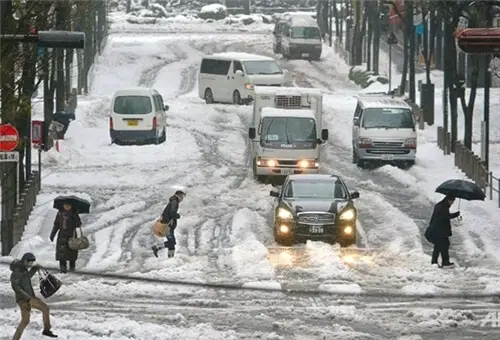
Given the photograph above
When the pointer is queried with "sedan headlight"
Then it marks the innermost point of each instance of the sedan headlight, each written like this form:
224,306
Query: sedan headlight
348,230
284,214
348,215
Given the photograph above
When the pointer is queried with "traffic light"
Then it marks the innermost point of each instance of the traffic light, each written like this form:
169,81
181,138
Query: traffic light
479,40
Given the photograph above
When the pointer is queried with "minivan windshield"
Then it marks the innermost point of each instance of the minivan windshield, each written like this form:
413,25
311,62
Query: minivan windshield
262,67
133,105
306,33
388,118
288,129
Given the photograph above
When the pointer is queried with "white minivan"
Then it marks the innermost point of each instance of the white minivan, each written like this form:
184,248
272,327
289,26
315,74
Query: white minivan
138,115
383,131
231,77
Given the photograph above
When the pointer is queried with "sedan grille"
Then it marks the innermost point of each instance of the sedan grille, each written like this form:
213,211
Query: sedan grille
315,218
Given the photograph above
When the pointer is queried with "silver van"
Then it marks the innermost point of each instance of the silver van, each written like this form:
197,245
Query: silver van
383,131
301,39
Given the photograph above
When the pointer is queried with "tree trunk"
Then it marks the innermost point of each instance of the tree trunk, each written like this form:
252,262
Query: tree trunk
369,38
406,42
425,42
357,41
411,55
338,21
376,35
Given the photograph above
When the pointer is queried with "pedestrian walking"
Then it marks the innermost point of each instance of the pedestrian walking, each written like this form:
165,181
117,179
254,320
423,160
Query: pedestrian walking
20,279
439,231
66,224
170,216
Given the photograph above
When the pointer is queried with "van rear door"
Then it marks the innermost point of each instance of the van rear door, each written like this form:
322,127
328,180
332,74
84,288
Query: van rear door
133,112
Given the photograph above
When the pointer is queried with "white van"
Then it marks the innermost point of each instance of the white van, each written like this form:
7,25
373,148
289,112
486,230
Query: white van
138,115
383,131
231,77
301,38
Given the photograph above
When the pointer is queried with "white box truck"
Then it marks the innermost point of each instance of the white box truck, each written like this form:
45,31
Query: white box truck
286,131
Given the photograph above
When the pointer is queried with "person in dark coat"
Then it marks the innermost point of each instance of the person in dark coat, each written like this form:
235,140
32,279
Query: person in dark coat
439,230
20,280
170,216
65,225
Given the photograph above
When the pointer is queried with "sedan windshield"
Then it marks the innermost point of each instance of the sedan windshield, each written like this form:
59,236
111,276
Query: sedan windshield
133,105
306,33
262,67
283,129
388,118
315,189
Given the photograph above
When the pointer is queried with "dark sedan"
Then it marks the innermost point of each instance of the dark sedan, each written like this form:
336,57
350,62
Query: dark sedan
315,207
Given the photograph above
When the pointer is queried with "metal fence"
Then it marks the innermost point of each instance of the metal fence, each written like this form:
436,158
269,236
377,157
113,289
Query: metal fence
493,187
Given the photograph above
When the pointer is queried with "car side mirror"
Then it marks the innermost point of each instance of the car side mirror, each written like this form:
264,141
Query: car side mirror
166,108
355,194
274,32
324,134
252,133
355,121
274,194
239,72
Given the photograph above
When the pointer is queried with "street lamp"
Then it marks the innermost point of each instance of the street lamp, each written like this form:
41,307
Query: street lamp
391,40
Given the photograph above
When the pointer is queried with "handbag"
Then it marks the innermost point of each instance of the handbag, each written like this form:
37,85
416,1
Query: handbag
78,243
161,229
49,284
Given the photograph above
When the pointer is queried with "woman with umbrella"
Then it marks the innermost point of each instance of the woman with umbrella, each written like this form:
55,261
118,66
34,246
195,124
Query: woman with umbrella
66,224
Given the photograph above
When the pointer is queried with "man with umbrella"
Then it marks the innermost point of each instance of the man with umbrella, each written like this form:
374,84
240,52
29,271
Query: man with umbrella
66,224
439,229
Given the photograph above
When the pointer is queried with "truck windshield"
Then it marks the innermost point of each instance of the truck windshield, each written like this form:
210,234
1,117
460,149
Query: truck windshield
306,33
288,130
262,67
388,118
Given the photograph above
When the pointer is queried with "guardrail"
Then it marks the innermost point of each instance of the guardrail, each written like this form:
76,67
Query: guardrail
493,187
471,164
444,140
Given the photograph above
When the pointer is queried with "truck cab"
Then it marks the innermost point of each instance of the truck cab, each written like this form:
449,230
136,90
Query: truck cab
286,133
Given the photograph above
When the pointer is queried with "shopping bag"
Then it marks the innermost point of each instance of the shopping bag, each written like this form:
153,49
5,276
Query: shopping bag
160,229
49,284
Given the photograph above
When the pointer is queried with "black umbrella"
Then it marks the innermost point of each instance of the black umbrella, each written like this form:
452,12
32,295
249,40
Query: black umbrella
78,204
461,189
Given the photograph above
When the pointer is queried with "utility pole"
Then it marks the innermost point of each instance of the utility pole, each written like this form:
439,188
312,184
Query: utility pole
411,55
487,85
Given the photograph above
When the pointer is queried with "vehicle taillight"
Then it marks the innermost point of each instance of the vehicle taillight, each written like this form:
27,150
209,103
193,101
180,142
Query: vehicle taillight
365,143
155,123
411,143
110,123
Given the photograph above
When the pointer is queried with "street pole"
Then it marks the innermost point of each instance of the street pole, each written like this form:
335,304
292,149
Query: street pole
390,68
487,85
446,43
330,17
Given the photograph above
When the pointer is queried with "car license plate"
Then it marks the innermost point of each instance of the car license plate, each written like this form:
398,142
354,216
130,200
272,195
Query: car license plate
305,55
316,229
132,122
387,157
287,171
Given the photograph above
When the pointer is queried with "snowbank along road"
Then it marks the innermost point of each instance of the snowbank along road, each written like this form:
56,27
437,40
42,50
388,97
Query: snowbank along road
224,233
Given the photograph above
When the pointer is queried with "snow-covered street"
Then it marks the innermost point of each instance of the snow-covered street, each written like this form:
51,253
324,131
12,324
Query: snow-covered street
225,232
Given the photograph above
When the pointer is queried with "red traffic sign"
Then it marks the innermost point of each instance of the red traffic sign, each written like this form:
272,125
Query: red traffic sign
479,40
9,138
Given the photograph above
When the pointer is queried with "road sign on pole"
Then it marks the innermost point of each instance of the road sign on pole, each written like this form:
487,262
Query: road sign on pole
9,138
8,157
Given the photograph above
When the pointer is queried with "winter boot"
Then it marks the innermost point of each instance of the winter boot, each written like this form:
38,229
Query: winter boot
155,250
48,332
63,267
72,266
448,265
171,252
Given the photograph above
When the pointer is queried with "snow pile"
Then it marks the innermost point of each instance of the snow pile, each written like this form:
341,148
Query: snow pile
213,11
426,318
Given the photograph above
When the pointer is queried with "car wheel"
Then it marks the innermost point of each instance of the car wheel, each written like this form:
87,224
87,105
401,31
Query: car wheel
209,96
287,242
163,137
236,97
360,163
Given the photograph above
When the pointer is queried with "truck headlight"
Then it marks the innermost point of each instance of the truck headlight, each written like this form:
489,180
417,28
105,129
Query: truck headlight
267,162
348,215
249,86
284,214
308,163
